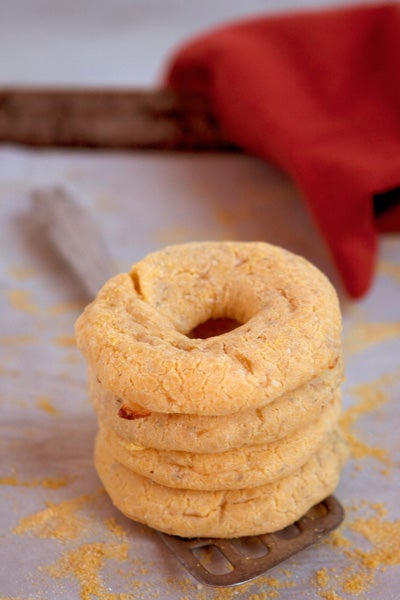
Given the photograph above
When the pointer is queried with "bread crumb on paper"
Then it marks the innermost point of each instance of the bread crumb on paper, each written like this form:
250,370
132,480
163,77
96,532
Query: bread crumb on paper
60,521
22,300
114,527
65,341
49,482
362,335
371,397
85,564
20,273
45,404
380,550
62,308
16,340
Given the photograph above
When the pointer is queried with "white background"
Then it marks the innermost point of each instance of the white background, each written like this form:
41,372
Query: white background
119,42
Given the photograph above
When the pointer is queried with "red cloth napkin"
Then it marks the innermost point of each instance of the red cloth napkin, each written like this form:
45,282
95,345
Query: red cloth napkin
318,94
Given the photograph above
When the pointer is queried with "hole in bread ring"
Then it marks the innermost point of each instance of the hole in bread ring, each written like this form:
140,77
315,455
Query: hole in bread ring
136,332
213,327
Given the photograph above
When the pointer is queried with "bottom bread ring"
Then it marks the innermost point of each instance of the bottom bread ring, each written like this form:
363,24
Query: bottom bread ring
226,513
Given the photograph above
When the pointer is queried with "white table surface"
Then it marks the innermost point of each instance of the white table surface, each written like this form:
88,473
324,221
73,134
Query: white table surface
51,507
52,510
118,42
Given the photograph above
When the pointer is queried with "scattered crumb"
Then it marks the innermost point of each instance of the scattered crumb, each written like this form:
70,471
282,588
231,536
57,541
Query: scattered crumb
362,335
49,483
60,521
21,273
85,564
322,577
371,397
358,575
115,527
72,358
45,404
386,472
329,595
384,537
22,300
65,341
66,307
337,539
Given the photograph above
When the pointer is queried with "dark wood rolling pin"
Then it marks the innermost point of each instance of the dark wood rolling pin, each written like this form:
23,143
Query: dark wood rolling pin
108,118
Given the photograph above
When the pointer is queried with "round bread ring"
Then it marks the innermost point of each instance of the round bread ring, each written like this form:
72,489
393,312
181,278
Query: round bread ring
135,333
192,433
224,514
249,466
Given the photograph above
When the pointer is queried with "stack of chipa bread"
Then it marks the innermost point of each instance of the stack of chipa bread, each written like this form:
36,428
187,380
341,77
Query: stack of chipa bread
220,432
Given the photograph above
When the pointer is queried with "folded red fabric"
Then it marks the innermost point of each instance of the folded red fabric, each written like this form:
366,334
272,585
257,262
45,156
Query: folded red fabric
318,94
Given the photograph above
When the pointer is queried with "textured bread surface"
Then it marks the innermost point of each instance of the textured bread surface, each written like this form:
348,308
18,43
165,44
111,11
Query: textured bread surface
233,469
198,433
136,333
227,513
215,370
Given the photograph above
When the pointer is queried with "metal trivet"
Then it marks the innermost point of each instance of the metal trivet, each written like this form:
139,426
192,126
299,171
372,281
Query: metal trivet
220,562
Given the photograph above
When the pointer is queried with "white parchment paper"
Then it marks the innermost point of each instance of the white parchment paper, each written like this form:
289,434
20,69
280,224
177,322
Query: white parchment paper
60,537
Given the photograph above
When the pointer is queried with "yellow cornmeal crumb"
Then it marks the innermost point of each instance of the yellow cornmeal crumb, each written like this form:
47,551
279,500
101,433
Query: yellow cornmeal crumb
115,527
65,340
361,449
21,300
65,307
386,472
46,405
329,595
337,539
58,521
275,583
71,358
384,537
361,336
20,273
371,398
85,563
53,484
379,508
286,572
49,482
322,577
357,582
264,595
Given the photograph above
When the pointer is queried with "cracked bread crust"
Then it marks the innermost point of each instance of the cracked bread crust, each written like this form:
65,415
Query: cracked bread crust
234,469
136,332
225,514
193,433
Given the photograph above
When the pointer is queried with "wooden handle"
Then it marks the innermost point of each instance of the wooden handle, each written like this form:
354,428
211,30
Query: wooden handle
107,118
